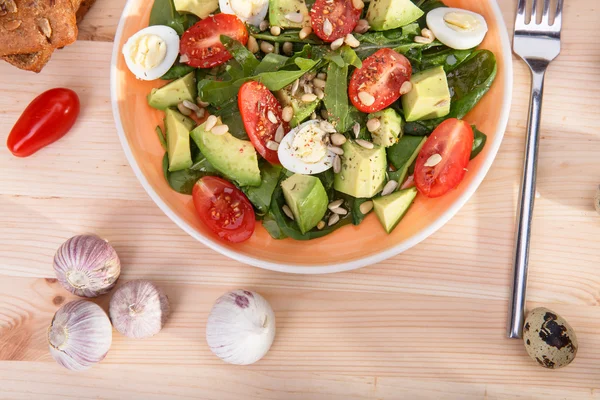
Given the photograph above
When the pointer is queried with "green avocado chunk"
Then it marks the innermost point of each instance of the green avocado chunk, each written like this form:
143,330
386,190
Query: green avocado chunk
279,10
174,93
363,171
429,97
234,158
178,129
392,208
307,198
200,8
384,15
302,110
391,129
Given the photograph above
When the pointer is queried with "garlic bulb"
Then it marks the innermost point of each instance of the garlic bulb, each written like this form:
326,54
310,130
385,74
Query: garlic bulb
87,266
79,335
240,327
139,309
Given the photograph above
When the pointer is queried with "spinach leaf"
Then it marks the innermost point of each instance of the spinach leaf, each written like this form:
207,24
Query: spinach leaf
404,152
288,227
161,137
288,36
344,56
448,58
244,57
230,116
478,143
271,63
270,224
181,181
353,205
336,96
261,196
426,6
177,71
164,13
468,83
278,80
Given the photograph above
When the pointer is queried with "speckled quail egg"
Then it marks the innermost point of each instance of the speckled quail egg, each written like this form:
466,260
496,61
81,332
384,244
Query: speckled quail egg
549,339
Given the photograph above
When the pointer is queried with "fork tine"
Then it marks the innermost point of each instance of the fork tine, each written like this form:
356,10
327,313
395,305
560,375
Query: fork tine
521,11
534,12
546,14
558,17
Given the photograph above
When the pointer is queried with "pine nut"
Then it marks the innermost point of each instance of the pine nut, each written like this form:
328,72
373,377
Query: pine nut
423,40
320,93
320,83
275,31
366,207
219,130
337,165
295,87
252,45
304,32
389,188
327,27
321,225
272,145
338,139
307,88
327,127
362,26
358,4
200,113
280,133
191,105
184,110
309,97
428,34
288,48
287,113
433,160
184,58
336,150
406,88
272,117
365,144
351,41
267,47
210,123
264,25
366,98
336,44
373,124
322,76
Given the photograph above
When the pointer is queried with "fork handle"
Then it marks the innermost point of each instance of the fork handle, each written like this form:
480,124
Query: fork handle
526,204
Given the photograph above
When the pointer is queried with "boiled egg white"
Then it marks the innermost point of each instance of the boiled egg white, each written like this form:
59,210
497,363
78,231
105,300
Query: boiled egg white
151,52
457,28
250,11
304,150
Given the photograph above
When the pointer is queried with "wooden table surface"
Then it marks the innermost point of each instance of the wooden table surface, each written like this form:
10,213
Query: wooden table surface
429,323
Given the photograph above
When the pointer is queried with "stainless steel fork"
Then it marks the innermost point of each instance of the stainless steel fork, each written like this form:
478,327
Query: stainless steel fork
537,43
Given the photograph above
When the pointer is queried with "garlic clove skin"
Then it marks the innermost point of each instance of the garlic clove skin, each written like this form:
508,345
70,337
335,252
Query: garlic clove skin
139,309
87,266
241,327
79,335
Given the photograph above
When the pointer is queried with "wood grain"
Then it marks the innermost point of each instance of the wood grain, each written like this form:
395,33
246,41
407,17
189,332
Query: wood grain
427,324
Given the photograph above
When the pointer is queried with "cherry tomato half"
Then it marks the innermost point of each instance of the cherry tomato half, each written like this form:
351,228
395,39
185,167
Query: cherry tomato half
453,141
340,13
255,102
45,120
202,42
224,209
381,76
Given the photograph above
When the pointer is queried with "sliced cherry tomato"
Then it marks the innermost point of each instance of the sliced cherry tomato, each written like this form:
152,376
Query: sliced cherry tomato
381,76
45,120
255,102
224,209
202,42
341,14
453,141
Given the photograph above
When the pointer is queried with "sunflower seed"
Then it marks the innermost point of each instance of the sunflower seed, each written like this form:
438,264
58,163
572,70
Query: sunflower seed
210,123
351,41
358,4
337,43
264,25
389,188
335,150
366,207
373,124
252,45
287,114
271,145
338,139
280,133
288,48
191,105
340,211
295,17
320,93
184,110
356,129
12,24
307,88
364,143
44,26
406,87
219,129
433,160
366,98
327,27
337,165
428,34
309,98
321,225
334,219
423,40
275,31
272,117
319,83
362,26
201,103
335,204
184,59
288,212
304,32
267,47
327,126
295,87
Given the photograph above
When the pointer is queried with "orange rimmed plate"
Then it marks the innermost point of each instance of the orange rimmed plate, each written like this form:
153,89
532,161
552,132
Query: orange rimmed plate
355,246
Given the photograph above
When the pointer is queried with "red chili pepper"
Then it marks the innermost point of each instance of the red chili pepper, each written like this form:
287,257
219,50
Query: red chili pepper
45,120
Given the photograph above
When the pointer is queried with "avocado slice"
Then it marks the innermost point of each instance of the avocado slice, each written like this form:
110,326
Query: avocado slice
234,158
178,129
307,198
392,208
174,93
391,129
302,110
389,14
429,97
200,8
278,9
363,171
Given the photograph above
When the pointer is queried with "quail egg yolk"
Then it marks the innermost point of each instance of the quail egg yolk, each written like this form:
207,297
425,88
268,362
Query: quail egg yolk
148,51
461,21
309,145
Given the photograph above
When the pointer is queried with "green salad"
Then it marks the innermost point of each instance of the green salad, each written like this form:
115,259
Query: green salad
308,115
